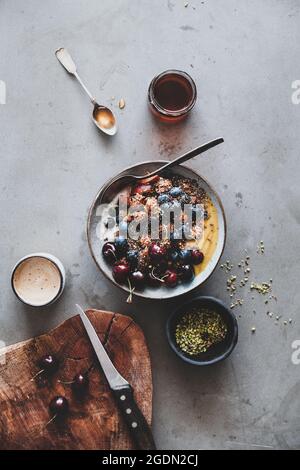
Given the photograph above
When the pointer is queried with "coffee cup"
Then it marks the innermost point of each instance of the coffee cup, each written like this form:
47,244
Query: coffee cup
38,279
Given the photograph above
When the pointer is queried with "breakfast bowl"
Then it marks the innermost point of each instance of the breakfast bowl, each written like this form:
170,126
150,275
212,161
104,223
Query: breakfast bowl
213,242
188,341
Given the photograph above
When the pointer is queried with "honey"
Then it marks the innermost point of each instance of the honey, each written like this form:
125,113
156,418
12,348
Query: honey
172,95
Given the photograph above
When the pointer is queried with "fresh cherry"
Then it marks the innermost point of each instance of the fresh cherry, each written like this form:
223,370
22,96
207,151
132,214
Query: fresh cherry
80,383
137,279
157,253
48,365
109,252
120,272
197,256
171,278
186,273
59,407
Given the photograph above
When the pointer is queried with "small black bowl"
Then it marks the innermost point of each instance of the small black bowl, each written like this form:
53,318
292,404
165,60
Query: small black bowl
216,353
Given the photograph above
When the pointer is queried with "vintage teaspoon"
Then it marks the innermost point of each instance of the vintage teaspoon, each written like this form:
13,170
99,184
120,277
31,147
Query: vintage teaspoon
103,117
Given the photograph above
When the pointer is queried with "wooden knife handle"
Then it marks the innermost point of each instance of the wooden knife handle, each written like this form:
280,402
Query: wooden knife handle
136,422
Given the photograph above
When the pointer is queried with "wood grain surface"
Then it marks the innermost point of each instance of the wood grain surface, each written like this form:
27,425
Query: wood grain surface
93,422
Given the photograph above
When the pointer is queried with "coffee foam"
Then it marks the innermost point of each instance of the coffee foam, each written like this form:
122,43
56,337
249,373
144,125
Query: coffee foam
37,281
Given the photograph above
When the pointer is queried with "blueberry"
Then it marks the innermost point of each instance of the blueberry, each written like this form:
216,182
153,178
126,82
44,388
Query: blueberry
185,199
175,191
185,256
163,198
132,258
121,245
173,256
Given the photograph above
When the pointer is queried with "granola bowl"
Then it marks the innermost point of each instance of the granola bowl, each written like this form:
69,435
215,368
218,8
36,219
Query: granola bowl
154,268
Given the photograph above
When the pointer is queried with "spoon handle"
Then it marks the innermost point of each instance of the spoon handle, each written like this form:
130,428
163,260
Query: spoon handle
188,155
64,57
93,100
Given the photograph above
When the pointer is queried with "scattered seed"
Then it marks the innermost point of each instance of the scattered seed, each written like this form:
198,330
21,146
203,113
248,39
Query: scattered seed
122,103
263,288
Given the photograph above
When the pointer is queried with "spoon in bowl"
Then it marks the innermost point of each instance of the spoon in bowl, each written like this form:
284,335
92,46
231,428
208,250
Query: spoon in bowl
102,117
127,179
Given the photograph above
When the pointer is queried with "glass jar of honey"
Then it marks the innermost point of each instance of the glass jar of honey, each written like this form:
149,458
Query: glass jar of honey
172,94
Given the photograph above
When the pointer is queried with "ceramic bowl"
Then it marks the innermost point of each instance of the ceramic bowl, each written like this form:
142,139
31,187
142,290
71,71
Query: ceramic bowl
216,353
96,242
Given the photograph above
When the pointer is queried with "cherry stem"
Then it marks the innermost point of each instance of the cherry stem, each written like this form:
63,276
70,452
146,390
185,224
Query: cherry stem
113,253
50,421
131,290
37,374
160,279
65,383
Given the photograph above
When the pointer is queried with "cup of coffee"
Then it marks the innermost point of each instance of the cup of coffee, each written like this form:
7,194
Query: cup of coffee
38,279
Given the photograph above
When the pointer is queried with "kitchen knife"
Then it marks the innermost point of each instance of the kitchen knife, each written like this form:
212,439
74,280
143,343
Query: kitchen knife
121,389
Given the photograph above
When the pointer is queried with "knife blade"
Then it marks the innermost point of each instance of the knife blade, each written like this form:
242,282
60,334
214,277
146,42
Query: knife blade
123,392
113,377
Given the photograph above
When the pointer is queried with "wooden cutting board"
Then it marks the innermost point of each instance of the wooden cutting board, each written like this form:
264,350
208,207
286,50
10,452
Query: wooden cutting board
93,422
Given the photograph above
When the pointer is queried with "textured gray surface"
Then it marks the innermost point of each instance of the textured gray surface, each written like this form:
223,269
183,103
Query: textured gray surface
243,57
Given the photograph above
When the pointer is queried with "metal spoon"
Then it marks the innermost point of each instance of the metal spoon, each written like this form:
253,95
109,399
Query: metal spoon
103,117
130,179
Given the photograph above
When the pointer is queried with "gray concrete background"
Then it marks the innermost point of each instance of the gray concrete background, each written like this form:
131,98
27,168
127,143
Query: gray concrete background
243,56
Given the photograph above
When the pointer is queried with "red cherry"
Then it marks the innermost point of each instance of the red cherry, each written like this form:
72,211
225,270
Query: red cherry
80,383
109,252
171,278
157,253
186,273
197,256
137,279
59,407
121,272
